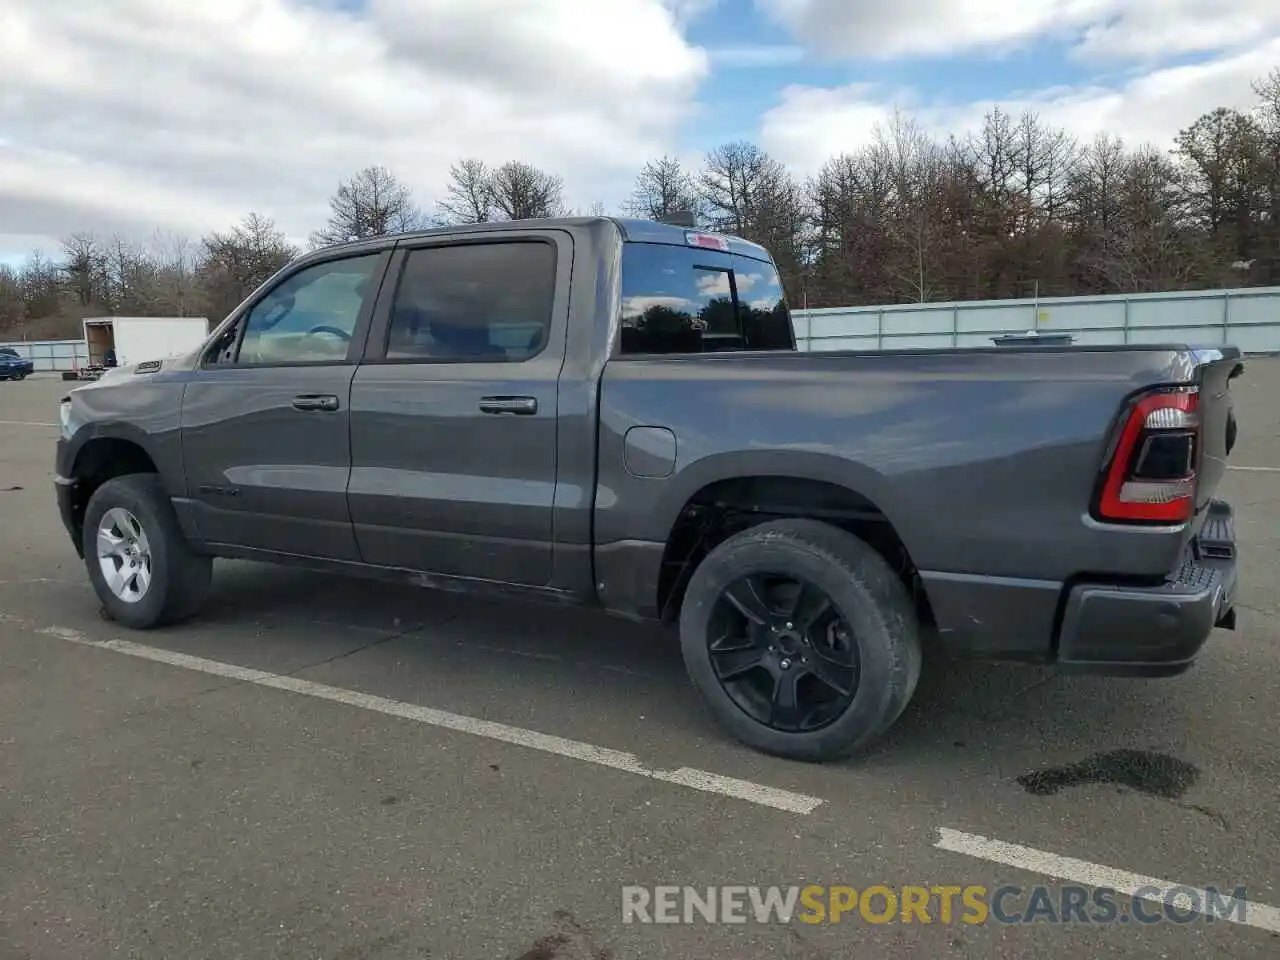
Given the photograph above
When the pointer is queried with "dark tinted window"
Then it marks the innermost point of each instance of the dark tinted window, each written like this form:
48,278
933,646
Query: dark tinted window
766,321
475,301
689,300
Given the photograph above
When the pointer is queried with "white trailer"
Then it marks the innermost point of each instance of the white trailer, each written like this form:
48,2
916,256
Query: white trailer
137,339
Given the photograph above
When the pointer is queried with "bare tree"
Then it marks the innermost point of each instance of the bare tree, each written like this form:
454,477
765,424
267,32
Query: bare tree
520,191
175,258
1266,266
130,278
1094,212
371,203
662,189
13,306
916,167
1152,250
233,264
1219,154
737,184
84,265
40,280
851,199
469,193
1045,160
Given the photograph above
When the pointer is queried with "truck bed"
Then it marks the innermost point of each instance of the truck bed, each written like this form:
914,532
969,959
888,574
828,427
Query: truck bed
983,461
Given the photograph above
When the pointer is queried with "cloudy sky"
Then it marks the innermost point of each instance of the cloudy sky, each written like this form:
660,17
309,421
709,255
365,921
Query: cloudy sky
133,115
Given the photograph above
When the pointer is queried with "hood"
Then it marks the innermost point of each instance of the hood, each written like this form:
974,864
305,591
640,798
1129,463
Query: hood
181,361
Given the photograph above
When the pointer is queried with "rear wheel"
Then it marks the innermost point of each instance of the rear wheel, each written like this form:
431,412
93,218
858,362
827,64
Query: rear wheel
801,638
142,568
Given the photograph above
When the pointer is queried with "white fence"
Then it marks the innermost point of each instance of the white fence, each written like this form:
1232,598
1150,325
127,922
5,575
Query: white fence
52,354
1247,318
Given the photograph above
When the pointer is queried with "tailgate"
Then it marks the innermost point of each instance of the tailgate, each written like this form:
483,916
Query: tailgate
1216,368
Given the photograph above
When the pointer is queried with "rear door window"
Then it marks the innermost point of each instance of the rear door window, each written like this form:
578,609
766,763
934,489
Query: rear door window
692,300
487,301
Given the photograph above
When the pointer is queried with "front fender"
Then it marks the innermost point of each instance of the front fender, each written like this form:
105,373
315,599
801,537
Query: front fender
143,412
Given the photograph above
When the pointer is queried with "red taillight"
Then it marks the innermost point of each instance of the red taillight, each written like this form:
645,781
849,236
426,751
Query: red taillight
1152,473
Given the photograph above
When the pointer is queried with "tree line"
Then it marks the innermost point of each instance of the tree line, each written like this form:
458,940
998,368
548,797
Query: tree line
1015,208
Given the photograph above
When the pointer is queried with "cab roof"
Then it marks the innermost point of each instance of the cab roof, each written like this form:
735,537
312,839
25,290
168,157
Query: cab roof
633,230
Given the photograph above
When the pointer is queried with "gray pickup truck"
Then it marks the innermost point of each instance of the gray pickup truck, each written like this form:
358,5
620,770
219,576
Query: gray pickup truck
614,412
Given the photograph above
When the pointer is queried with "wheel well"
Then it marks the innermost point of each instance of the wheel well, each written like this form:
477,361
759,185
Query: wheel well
99,461
722,509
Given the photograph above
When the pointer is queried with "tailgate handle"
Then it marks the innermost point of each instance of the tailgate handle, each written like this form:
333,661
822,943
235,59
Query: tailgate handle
521,406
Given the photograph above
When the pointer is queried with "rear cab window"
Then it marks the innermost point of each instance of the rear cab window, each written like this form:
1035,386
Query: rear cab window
684,299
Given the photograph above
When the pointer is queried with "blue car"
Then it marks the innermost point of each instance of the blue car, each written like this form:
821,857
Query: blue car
14,366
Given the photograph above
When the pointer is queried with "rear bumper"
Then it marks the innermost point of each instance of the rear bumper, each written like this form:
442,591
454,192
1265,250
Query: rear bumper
1155,630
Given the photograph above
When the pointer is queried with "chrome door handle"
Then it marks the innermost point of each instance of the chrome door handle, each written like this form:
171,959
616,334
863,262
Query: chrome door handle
314,401
521,406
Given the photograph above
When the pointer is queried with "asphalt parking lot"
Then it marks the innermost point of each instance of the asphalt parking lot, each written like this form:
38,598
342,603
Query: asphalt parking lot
323,768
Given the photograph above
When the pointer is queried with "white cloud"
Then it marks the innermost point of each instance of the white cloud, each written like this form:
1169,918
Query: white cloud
891,28
213,109
811,124
1148,28
714,285
1155,30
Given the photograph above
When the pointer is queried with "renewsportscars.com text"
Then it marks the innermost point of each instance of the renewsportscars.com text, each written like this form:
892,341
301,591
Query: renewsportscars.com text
969,904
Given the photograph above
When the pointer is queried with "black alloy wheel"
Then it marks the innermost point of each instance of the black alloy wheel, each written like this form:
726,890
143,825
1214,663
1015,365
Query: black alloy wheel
802,639
783,653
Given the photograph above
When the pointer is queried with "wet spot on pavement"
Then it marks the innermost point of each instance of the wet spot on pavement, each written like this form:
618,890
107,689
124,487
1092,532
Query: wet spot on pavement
1155,774
546,948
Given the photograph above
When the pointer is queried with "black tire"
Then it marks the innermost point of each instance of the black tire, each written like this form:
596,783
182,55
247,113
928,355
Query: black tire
863,590
180,576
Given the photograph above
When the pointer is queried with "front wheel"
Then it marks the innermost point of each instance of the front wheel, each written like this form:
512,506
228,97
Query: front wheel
801,638
142,568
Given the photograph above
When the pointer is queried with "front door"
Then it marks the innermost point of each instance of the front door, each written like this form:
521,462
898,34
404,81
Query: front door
453,411
266,419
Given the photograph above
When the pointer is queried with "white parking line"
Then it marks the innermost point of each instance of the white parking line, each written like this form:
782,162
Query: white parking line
27,423
1256,469
1095,875
694,779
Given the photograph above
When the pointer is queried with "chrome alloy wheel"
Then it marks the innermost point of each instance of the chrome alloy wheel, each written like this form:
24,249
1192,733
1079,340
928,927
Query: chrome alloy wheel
124,554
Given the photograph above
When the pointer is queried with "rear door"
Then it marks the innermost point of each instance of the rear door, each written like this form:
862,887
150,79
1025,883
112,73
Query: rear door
454,410
266,417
